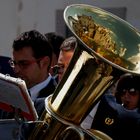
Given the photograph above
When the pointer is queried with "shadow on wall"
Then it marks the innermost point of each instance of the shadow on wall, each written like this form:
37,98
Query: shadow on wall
5,66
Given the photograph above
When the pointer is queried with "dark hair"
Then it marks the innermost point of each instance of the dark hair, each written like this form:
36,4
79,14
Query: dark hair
37,41
69,43
56,41
127,81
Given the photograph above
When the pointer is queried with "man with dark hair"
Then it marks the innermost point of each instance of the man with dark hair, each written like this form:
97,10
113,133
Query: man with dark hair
67,49
55,40
31,62
32,55
118,113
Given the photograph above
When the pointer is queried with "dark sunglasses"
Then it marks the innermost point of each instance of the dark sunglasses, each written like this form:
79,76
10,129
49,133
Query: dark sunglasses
131,91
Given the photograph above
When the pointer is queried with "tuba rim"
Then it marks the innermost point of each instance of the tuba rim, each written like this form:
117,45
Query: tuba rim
74,9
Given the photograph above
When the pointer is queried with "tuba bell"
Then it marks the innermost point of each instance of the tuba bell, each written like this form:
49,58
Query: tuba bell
108,47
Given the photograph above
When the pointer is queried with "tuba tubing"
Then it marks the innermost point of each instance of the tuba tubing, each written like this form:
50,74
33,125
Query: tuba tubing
76,95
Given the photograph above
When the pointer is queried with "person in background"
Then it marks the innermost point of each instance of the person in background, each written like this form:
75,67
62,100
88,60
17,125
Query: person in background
32,55
5,67
118,115
55,40
67,49
31,61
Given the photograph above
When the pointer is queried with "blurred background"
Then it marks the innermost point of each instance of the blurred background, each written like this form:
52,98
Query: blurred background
47,16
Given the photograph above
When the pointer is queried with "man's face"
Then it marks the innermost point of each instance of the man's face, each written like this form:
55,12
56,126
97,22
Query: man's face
63,62
130,98
27,67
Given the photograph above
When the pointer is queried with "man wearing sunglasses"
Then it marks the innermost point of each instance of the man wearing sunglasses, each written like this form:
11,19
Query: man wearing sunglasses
55,40
118,113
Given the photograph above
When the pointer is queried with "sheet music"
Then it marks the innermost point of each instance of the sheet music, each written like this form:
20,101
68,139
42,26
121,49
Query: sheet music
14,94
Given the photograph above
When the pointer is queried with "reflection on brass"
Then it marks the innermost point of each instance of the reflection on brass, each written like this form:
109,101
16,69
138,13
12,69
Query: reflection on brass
92,34
99,39
101,135
80,89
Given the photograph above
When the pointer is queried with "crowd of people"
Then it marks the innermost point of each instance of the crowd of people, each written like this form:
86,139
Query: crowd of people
41,61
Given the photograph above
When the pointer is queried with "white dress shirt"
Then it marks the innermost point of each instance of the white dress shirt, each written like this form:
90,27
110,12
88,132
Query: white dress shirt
87,122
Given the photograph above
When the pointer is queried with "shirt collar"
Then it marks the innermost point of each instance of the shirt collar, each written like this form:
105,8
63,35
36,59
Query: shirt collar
34,91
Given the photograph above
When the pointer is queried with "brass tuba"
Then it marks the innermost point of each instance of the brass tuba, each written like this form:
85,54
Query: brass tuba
109,47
